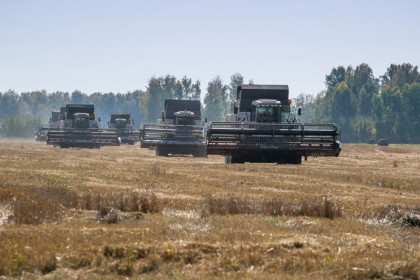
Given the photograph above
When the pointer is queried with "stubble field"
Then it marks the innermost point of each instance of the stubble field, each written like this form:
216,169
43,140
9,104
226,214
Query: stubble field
122,212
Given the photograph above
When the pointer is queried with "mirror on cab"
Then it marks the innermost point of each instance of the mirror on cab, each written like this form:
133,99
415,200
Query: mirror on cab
299,111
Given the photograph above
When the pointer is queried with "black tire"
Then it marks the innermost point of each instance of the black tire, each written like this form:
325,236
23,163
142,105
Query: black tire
200,153
281,161
161,151
235,159
239,160
294,160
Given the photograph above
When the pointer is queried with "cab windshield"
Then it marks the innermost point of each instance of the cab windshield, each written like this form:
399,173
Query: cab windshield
81,121
185,121
120,123
268,114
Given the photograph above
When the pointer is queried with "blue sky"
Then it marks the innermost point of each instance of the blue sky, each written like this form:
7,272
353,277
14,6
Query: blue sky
104,46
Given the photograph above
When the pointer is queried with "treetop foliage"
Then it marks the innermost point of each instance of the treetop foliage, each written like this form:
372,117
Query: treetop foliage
366,107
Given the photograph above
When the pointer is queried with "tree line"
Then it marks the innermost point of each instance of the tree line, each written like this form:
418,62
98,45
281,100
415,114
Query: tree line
363,106
21,114
366,107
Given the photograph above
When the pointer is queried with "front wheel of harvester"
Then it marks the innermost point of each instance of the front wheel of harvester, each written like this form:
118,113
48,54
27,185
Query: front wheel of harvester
200,153
161,151
238,159
294,160
143,145
281,160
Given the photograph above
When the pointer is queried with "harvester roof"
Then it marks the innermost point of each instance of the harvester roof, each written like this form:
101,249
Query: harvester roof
115,116
174,105
71,109
187,114
266,102
248,93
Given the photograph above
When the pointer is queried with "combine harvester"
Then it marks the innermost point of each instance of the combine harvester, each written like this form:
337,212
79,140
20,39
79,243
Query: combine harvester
80,129
122,122
42,133
263,129
179,132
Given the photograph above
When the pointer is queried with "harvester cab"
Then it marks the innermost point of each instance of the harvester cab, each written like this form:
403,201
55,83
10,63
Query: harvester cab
81,120
186,118
272,111
120,123
267,111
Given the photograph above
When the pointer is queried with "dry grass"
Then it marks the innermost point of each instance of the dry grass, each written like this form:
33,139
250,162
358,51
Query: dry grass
324,208
122,212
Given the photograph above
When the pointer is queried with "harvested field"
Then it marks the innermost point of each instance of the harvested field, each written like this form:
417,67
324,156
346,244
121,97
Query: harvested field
121,212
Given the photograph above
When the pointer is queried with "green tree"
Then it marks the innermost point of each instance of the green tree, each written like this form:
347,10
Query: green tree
399,75
336,76
19,126
196,91
8,104
235,80
307,103
213,101
77,97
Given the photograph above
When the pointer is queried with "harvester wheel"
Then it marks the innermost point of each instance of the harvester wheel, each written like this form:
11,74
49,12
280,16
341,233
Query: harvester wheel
231,159
237,159
281,161
161,151
294,160
200,153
